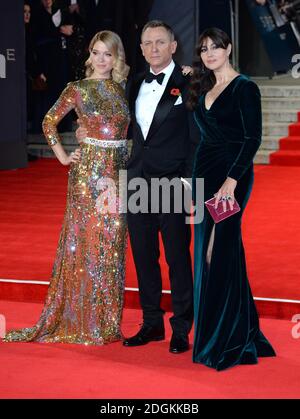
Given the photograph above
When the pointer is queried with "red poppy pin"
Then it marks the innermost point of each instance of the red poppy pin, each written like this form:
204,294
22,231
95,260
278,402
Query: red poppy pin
175,92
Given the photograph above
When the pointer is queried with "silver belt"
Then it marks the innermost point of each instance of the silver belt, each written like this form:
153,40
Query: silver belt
105,143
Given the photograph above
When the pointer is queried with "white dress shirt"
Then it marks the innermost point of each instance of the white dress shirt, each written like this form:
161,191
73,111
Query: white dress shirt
148,98
56,18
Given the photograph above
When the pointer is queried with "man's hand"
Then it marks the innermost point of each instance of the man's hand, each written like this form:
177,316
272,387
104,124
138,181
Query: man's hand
66,30
187,70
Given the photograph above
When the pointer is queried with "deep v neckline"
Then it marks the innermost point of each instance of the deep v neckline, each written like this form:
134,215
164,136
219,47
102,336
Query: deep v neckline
220,94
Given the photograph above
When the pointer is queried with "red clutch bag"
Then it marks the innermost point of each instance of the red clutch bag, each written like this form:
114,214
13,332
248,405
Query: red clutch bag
218,214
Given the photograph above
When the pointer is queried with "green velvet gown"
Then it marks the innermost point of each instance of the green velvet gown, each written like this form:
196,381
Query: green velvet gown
226,322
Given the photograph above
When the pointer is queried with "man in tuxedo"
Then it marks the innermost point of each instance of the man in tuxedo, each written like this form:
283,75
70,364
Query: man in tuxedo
163,135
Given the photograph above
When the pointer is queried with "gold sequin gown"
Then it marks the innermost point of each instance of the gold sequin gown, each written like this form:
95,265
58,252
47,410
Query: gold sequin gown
85,297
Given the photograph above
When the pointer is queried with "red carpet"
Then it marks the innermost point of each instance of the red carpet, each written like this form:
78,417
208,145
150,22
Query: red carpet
31,212
32,370
289,150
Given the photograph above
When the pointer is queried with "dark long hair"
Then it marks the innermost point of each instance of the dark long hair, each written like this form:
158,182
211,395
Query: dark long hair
204,79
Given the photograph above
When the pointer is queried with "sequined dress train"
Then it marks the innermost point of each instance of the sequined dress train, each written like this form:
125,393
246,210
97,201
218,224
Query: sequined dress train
85,297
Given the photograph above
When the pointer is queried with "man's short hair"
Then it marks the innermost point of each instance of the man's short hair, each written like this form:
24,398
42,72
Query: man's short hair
159,24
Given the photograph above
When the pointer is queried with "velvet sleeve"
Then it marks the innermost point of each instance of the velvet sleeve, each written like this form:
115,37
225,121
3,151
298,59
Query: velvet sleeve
250,112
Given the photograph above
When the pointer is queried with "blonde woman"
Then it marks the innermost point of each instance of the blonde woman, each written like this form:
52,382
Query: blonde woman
85,298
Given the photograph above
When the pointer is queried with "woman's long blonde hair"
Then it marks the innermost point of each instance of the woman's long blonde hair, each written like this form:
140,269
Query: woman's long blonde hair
115,46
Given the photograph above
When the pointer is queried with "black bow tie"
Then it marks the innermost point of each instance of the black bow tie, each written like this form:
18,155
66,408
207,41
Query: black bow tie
158,77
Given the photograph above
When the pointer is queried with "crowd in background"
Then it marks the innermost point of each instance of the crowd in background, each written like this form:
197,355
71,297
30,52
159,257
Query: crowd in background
58,33
284,11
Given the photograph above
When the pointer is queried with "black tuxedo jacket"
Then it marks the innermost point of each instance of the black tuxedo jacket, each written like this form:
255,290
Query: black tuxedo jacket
173,136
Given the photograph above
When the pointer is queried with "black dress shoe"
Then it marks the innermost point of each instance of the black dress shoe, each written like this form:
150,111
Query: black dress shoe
145,335
179,344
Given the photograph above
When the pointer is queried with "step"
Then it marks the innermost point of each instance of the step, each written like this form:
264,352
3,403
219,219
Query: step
285,158
272,129
280,91
262,156
43,150
66,138
290,143
284,115
270,143
275,103
294,129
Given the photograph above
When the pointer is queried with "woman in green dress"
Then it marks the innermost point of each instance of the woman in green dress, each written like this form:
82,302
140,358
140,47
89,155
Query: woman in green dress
227,109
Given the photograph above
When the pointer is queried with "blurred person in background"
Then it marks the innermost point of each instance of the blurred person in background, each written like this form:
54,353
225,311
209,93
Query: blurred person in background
51,31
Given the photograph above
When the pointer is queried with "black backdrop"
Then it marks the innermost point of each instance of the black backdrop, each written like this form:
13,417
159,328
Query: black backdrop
182,16
12,86
215,13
